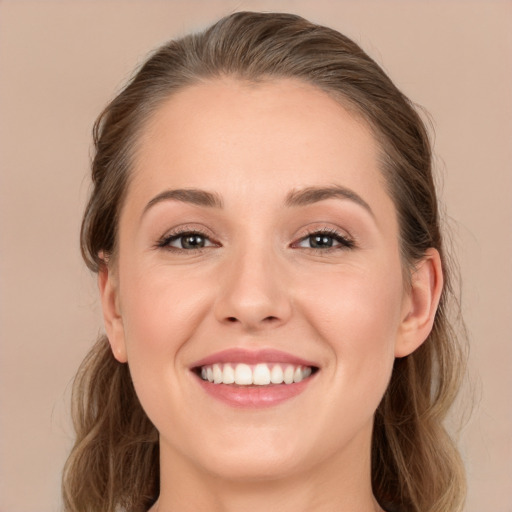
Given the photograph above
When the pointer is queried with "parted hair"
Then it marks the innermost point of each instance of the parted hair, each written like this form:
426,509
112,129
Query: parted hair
114,463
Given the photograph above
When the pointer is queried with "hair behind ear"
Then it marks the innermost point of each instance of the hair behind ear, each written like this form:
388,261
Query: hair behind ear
115,457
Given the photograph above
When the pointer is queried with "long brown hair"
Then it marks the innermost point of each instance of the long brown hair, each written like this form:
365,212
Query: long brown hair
415,465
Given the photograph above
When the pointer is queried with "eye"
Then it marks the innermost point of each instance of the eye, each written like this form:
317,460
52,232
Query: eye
325,240
188,241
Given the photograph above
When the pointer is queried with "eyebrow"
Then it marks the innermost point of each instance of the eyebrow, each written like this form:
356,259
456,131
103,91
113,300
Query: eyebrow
302,197
311,195
187,195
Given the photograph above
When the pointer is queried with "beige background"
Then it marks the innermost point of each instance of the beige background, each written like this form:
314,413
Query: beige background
61,61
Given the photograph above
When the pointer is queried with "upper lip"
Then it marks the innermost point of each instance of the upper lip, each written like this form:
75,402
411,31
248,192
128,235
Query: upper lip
243,355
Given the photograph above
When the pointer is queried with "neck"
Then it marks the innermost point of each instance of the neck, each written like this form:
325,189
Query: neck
330,486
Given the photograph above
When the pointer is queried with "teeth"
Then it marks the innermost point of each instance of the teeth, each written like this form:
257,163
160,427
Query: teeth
261,374
243,374
217,374
228,376
276,375
288,375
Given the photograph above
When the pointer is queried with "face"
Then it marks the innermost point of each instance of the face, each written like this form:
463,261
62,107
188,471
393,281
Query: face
257,242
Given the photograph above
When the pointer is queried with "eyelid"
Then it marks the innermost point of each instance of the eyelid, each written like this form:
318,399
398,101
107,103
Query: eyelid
175,233
174,238
345,240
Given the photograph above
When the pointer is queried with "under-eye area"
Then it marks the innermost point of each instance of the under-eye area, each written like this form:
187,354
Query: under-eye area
261,374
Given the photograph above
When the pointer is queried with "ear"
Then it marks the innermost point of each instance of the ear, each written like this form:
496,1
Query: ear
108,286
421,303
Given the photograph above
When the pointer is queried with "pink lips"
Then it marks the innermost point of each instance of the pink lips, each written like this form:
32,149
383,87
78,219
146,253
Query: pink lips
240,355
252,396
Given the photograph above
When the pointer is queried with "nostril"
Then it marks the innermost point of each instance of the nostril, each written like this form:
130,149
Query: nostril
268,319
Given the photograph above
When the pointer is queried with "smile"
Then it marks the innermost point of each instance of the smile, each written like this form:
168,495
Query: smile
261,374
247,378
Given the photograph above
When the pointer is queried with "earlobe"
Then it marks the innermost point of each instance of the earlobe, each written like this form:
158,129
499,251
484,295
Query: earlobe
421,305
111,313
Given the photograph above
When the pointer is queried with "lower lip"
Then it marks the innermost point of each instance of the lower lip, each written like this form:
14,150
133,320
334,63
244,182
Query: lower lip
254,396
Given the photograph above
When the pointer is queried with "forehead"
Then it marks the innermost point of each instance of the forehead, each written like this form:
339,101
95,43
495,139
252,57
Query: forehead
248,138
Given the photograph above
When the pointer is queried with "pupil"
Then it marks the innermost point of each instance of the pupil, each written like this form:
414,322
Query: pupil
192,241
320,241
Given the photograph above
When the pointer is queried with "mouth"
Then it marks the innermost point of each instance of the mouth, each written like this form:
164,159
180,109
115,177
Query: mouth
261,374
243,378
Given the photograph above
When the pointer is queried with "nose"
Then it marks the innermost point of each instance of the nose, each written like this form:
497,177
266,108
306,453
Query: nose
253,293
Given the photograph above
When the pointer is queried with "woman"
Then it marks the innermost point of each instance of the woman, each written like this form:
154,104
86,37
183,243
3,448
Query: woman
265,231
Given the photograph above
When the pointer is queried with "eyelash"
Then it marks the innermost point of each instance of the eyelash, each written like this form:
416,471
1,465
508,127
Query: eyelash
165,241
343,241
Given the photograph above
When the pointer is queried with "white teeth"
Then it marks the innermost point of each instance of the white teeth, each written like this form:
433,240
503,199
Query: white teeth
217,374
228,375
276,375
288,375
261,374
243,374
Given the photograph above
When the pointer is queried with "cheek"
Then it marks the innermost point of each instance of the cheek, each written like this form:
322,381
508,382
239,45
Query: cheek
156,296
160,313
358,307
357,316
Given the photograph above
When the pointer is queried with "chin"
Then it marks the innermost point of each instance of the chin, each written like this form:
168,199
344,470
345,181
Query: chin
254,455
271,467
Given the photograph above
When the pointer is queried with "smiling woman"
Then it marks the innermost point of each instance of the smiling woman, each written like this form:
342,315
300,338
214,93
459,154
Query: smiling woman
265,231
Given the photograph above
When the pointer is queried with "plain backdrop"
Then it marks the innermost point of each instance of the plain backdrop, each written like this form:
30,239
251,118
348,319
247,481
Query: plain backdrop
61,61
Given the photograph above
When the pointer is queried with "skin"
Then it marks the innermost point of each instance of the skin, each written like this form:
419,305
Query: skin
258,283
